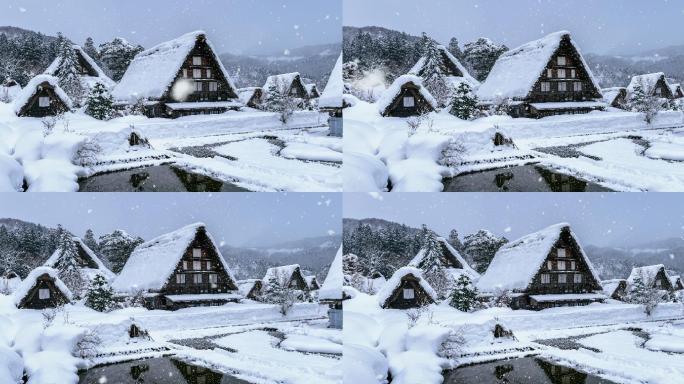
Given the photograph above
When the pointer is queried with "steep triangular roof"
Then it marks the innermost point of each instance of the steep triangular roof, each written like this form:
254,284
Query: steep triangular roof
647,82
101,268
394,90
91,67
450,253
312,282
290,80
287,272
610,286
31,88
246,286
516,263
332,285
152,72
151,263
395,282
332,93
516,72
648,273
450,62
30,281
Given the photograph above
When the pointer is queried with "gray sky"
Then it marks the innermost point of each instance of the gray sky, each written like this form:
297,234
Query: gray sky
612,219
232,25
236,218
599,26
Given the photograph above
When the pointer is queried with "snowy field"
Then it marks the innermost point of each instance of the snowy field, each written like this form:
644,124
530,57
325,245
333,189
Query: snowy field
614,341
250,341
251,149
614,149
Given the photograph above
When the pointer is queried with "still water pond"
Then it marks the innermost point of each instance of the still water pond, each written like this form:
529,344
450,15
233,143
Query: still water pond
526,370
525,178
160,370
160,178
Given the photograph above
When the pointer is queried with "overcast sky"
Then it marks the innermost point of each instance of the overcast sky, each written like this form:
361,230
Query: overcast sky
232,25
612,219
235,218
600,26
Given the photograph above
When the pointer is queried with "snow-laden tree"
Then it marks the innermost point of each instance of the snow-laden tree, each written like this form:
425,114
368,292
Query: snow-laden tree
642,294
464,102
117,56
464,295
455,241
279,100
480,56
433,72
99,103
432,265
278,292
67,71
100,295
116,247
648,105
481,247
90,242
90,50
455,49
67,264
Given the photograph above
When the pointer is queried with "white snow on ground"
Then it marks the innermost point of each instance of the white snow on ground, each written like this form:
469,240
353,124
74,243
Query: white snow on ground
304,343
303,151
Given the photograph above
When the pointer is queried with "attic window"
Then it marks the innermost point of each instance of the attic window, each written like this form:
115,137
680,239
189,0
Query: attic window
549,73
180,278
658,91
572,265
545,86
561,265
197,73
560,252
197,265
658,283
409,102
577,86
545,278
208,265
213,86
208,73
197,278
561,73
44,293
409,294
561,60
562,278
578,278
185,73
562,87
196,253
573,73
43,102
197,60
213,278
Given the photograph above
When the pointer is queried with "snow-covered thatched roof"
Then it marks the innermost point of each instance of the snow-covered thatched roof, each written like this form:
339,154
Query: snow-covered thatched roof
310,89
332,93
310,280
151,74
610,94
282,274
516,71
415,70
151,263
245,286
88,80
282,80
395,281
675,280
609,286
27,284
394,90
332,285
647,273
101,268
516,263
246,94
31,88
415,262
647,82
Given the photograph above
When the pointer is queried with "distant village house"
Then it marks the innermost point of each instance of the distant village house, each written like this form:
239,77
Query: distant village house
41,97
406,289
42,289
406,97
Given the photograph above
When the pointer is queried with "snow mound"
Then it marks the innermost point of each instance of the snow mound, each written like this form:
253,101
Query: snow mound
363,364
332,285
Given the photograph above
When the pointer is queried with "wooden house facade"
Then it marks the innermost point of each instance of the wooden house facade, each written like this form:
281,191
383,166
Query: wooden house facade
312,90
41,97
42,289
312,282
544,77
406,289
180,269
543,270
179,78
406,97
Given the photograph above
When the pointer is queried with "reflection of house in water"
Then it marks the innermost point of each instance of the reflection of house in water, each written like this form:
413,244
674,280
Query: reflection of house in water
559,182
502,178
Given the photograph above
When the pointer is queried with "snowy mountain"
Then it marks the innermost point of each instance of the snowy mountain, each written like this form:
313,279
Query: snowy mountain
613,262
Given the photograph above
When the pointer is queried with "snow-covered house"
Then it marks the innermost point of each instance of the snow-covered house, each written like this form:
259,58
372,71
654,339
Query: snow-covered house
90,73
406,97
41,97
180,77
676,282
9,90
615,97
615,288
544,269
331,291
543,77
251,96
286,276
454,71
452,261
250,288
287,84
653,84
312,282
312,90
653,276
88,262
676,89
179,269
41,289
406,289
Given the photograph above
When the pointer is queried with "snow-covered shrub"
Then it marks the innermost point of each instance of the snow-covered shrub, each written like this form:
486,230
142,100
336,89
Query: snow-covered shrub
87,153
453,153
500,107
642,294
86,348
500,299
464,102
501,140
464,295
49,123
276,292
278,99
49,315
414,122
99,103
100,295
649,105
415,314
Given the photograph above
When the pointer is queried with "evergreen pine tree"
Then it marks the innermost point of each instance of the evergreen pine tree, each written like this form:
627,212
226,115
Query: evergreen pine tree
99,103
67,264
640,293
89,240
67,71
641,102
464,294
455,241
278,100
432,265
464,102
100,295
455,49
90,50
433,72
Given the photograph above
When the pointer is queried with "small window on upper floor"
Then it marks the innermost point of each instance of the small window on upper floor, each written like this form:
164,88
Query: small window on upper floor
197,60
197,73
561,60
208,73
560,252
561,73
409,293
197,253
43,293
545,278
545,86
409,102
549,73
573,73
43,102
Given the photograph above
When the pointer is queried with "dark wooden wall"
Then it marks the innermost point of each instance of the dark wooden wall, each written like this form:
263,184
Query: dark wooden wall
32,299
32,108
397,109
397,301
